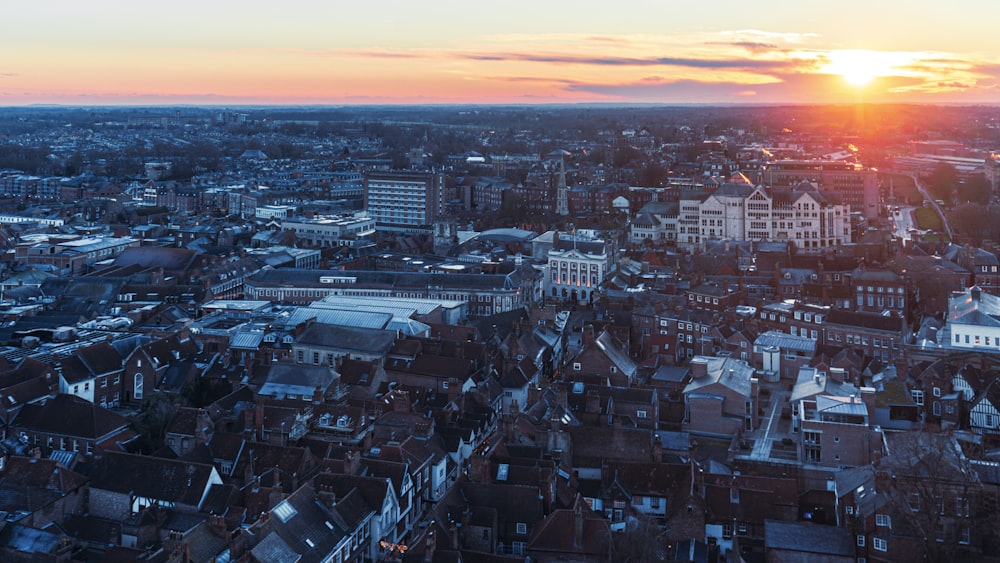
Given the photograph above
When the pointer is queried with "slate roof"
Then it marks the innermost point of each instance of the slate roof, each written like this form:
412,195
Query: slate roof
274,549
607,344
806,537
369,341
69,415
156,478
732,373
891,323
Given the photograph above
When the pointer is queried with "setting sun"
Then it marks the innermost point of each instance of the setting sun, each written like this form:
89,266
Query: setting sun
859,67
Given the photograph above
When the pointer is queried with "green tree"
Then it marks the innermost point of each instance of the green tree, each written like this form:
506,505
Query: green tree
975,189
942,181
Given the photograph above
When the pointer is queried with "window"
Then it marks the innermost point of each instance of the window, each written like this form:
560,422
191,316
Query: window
913,499
937,391
849,510
880,544
522,528
137,387
918,397
576,366
861,540
640,414
936,408
883,520
961,506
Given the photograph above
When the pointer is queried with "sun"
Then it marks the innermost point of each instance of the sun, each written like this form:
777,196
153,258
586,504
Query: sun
858,76
860,67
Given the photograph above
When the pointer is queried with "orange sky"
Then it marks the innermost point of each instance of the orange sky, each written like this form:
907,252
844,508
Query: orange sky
117,52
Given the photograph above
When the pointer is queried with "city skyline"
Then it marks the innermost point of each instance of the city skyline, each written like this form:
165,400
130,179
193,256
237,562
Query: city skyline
305,52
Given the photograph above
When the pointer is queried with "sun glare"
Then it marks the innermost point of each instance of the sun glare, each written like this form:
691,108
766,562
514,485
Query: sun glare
860,67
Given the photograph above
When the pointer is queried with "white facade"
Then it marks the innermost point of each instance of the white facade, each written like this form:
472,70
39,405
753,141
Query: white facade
329,231
984,418
575,274
275,211
743,212
973,321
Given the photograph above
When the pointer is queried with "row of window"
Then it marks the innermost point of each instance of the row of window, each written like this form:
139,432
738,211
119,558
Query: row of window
977,340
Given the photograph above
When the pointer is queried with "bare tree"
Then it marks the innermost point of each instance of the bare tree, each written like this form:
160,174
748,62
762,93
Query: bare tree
936,498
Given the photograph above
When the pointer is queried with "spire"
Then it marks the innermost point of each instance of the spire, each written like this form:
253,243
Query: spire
562,192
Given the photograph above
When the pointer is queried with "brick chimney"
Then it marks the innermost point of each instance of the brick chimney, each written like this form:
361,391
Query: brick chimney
352,462
429,547
868,398
401,401
699,368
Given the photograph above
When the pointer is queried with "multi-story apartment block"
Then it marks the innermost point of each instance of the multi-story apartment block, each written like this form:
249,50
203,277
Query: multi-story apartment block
404,202
853,184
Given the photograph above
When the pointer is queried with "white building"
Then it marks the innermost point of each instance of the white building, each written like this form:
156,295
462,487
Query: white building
738,210
329,231
973,321
275,211
576,268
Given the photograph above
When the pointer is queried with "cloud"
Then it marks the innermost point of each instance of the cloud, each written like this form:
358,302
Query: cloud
772,35
702,63
531,79
752,46
381,54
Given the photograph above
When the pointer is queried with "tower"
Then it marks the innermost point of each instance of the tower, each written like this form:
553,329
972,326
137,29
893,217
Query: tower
562,192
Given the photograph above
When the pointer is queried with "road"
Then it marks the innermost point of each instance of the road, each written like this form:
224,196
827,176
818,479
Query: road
902,222
934,205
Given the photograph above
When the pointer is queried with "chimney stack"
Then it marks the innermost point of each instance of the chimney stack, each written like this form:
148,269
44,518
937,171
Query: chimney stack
578,524
699,368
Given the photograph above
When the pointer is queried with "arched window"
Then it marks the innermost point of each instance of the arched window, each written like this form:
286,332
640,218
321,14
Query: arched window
138,386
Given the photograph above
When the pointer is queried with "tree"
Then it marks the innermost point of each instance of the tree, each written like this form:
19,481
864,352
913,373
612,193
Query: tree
942,181
975,189
642,541
936,498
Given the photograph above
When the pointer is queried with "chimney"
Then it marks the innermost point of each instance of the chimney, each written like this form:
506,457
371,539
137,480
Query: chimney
976,292
534,395
248,472
400,401
352,462
699,368
868,398
430,546
578,524
588,335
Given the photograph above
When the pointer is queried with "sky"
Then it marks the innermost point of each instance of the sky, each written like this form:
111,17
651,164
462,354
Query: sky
110,52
